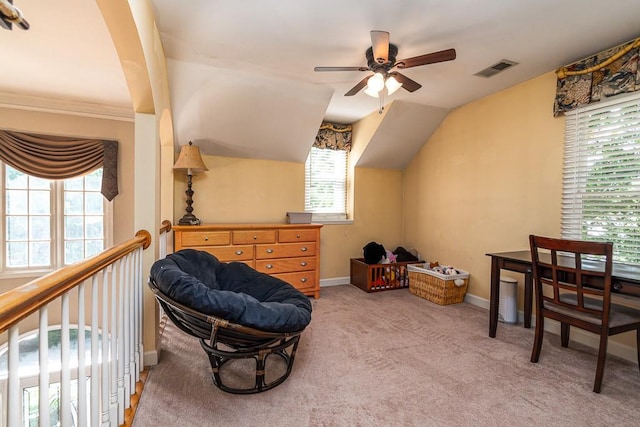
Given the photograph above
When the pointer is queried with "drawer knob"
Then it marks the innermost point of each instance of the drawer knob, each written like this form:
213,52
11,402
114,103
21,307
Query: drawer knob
304,249
269,266
255,237
206,238
239,252
297,236
269,251
303,280
303,263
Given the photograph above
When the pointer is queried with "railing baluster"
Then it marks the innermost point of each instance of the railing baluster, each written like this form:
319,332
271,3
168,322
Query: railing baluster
14,395
132,326
95,373
113,360
106,339
82,373
120,336
43,383
126,303
65,368
137,313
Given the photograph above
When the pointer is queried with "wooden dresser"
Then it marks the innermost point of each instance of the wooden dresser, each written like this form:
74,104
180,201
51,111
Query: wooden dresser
290,252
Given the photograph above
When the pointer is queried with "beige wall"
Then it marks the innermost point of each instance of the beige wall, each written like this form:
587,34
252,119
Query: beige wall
71,125
488,177
262,191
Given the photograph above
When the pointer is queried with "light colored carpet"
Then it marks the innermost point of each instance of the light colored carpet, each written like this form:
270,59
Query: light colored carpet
394,359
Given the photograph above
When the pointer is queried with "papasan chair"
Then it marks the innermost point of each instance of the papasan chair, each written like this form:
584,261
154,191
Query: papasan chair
239,315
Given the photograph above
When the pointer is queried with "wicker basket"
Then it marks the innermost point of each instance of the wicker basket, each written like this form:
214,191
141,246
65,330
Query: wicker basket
438,288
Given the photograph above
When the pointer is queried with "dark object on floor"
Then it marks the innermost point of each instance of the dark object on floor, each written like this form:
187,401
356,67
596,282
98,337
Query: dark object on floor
561,281
374,253
403,255
235,311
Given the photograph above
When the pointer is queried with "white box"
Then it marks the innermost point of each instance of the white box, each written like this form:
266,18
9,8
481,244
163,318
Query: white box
298,217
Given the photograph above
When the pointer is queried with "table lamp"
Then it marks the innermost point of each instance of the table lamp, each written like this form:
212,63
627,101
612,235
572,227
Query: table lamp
189,160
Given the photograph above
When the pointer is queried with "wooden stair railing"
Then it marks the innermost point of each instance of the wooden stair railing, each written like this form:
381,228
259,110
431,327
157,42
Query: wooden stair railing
102,297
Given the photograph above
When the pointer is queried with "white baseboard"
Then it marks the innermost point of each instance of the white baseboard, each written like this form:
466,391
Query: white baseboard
335,281
615,348
150,358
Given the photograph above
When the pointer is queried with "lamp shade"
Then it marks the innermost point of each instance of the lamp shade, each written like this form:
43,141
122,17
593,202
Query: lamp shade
392,85
371,92
376,82
189,159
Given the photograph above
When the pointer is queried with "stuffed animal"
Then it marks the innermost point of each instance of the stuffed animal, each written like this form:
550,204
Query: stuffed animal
391,257
450,270
442,269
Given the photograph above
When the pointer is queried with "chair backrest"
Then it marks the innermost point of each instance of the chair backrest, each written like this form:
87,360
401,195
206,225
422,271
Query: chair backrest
570,275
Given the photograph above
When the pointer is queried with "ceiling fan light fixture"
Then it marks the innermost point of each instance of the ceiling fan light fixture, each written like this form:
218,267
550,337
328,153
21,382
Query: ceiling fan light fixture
369,91
374,85
392,85
376,82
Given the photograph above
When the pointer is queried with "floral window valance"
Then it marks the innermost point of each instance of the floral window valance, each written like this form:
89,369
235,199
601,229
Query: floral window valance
604,74
57,157
333,136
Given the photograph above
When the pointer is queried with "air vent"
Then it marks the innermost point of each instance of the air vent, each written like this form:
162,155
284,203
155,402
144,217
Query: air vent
496,68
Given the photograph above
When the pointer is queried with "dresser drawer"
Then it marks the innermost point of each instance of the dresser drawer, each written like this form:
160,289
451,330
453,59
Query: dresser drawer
290,236
205,238
305,281
286,265
287,250
247,237
230,253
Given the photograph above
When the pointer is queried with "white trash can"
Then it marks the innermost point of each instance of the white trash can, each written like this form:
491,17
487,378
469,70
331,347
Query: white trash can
508,306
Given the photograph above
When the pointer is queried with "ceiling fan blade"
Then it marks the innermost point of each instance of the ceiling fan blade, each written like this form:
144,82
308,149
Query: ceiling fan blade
407,83
380,46
340,69
429,58
357,88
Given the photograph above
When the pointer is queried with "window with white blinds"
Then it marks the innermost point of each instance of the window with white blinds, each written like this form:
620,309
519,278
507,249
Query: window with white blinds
325,193
601,176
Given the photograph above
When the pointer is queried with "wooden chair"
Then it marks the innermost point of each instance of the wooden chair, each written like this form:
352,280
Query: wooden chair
572,282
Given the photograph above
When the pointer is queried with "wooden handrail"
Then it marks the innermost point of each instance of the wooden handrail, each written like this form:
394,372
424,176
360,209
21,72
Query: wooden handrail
165,226
24,300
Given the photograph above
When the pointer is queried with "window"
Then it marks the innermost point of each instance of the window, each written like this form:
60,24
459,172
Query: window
326,184
601,182
47,224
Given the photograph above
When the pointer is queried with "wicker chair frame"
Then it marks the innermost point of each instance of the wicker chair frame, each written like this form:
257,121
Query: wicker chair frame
225,341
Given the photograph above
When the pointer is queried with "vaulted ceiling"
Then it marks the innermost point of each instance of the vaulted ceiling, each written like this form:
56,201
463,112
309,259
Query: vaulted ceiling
241,74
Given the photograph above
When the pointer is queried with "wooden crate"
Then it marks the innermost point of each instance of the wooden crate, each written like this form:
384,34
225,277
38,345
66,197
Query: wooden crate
379,277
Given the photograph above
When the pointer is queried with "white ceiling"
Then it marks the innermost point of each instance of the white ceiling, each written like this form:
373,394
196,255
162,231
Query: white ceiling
241,73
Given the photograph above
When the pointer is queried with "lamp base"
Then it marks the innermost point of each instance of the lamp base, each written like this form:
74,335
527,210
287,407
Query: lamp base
189,219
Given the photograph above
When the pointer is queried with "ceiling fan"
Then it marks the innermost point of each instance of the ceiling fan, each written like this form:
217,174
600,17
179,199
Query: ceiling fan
381,59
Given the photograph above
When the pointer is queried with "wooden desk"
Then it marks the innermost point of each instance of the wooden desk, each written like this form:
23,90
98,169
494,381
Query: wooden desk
625,281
